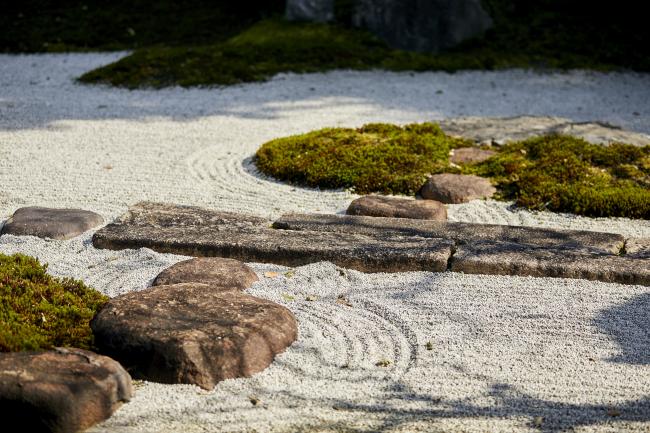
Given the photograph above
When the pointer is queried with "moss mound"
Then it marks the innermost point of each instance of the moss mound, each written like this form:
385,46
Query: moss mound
38,311
557,173
567,174
374,158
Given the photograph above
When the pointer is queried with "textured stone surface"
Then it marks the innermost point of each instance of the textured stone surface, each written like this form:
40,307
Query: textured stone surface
638,248
216,271
468,155
51,223
417,25
63,390
502,258
502,129
199,232
382,206
607,243
310,10
193,333
456,188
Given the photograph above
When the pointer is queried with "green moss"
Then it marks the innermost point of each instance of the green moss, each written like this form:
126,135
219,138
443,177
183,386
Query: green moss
376,157
38,311
566,174
557,173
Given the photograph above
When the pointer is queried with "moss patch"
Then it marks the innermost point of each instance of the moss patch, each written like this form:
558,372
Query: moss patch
557,173
567,174
38,311
374,158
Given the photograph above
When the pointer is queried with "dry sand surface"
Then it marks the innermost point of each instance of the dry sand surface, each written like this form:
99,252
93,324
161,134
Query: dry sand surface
506,353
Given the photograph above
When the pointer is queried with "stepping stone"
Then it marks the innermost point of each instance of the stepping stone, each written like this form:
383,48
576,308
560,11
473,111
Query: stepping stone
215,271
382,206
193,333
503,129
470,155
638,248
198,232
62,390
595,242
51,223
502,258
456,188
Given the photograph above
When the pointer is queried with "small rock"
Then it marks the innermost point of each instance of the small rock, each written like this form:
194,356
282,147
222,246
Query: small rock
470,155
393,207
51,223
62,390
456,188
193,333
215,271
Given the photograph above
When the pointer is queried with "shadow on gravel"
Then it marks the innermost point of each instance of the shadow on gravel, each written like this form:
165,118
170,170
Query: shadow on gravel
628,325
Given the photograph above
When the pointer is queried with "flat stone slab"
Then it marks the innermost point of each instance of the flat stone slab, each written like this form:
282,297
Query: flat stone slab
456,188
199,232
193,333
499,130
62,390
395,207
502,258
216,271
638,248
608,243
470,155
51,223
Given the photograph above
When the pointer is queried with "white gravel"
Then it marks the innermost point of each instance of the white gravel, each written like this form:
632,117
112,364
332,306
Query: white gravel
505,350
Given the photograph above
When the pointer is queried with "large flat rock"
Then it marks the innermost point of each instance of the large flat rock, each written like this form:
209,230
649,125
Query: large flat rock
199,232
397,207
503,258
459,232
51,223
193,333
62,390
638,248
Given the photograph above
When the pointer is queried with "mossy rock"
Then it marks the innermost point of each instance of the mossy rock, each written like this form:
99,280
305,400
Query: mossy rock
374,158
555,172
38,311
566,174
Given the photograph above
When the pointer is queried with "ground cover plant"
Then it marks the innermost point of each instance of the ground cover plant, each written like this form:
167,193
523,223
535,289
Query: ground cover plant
38,311
556,172
201,42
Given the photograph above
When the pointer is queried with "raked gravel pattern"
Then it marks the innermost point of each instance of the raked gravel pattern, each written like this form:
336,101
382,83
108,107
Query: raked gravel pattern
457,353
507,353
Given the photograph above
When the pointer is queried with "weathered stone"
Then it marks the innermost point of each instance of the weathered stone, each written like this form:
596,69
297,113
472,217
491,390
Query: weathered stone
382,206
310,10
215,271
199,232
470,155
456,188
638,248
428,26
63,390
500,130
502,258
51,223
193,333
597,242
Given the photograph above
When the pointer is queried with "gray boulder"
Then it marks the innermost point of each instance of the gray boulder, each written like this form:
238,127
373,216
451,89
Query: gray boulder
51,223
310,10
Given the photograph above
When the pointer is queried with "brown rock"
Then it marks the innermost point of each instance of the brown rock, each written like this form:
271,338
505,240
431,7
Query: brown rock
51,223
215,271
63,390
456,188
393,207
638,248
193,333
470,155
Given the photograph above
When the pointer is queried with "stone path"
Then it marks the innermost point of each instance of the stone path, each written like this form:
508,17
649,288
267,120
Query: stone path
372,244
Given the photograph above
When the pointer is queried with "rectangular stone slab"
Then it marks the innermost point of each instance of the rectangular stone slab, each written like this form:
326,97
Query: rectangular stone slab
502,258
199,232
460,232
